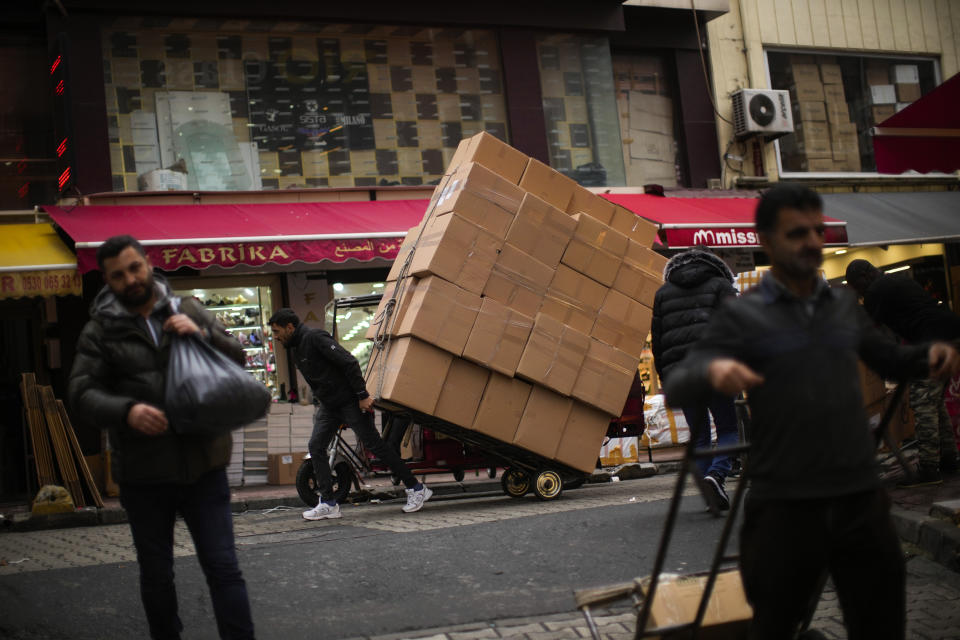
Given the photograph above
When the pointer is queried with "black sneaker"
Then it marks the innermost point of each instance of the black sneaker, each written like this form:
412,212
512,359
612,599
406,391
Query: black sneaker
924,477
718,496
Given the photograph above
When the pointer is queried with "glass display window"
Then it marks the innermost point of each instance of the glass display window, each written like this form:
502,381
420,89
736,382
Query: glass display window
295,105
244,312
349,323
580,108
836,100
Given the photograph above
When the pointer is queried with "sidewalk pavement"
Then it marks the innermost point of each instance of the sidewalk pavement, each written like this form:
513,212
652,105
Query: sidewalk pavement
927,518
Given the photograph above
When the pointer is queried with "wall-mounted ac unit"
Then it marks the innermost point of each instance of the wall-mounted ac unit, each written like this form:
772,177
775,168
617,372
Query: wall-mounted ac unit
762,112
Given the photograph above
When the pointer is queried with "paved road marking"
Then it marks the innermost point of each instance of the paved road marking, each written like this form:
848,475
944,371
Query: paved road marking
89,546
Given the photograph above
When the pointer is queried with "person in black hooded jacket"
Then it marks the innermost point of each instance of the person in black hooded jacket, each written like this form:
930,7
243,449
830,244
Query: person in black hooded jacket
695,282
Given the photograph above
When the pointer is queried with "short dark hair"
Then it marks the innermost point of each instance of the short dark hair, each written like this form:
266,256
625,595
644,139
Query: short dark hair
283,317
784,196
112,247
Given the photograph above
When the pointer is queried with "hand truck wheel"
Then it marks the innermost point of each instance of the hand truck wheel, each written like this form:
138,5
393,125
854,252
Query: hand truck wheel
515,482
547,484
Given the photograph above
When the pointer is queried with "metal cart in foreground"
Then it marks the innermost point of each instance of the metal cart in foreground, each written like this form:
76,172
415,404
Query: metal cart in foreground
643,591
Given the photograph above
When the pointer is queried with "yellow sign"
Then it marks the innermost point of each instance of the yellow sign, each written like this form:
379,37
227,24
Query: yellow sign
26,284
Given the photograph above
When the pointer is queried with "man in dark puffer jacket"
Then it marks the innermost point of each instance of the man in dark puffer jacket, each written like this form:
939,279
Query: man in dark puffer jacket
117,383
696,281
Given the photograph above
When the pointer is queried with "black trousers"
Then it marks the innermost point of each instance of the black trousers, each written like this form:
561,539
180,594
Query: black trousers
787,545
325,424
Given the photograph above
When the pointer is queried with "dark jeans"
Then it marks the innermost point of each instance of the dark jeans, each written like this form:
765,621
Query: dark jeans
787,545
205,507
325,424
725,420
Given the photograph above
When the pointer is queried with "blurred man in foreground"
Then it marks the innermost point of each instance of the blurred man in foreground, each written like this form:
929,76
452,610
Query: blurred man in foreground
815,503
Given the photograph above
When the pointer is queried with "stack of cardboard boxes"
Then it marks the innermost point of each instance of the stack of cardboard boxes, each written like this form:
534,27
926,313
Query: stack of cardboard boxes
826,139
891,87
518,306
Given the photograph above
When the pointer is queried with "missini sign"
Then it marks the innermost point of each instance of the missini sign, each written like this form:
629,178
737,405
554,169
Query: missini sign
692,235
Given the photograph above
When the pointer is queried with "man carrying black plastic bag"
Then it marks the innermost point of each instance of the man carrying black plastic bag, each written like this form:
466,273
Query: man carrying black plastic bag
117,383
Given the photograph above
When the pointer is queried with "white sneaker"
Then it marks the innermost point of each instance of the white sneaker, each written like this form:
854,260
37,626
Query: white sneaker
415,499
322,512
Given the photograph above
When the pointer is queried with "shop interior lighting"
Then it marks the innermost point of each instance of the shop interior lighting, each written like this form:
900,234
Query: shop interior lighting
897,269
338,286
839,252
378,285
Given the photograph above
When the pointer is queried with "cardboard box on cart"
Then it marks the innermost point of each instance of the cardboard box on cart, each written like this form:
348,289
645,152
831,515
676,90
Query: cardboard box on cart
412,373
482,197
445,242
541,230
633,226
501,407
553,354
518,280
605,378
573,298
492,153
622,323
582,437
498,337
461,393
542,423
595,250
435,311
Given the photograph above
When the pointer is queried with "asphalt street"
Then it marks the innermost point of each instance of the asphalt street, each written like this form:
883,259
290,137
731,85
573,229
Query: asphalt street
375,571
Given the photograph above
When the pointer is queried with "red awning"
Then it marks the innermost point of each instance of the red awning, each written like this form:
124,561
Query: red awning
227,235
924,136
715,222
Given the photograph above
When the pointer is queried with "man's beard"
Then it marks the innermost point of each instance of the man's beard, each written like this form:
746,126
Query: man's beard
132,298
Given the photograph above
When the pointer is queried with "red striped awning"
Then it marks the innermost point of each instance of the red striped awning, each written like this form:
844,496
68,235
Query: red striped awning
227,235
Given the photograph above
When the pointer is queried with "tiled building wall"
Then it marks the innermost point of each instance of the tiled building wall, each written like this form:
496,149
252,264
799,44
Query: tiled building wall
324,105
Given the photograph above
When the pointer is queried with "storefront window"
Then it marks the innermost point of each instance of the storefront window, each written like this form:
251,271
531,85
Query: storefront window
837,99
302,105
580,107
244,311
645,104
356,306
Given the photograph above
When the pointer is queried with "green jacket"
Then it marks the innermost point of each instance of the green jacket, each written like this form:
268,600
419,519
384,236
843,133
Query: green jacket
118,365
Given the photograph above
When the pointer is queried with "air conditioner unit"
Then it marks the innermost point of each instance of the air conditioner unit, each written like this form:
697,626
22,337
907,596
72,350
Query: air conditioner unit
762,112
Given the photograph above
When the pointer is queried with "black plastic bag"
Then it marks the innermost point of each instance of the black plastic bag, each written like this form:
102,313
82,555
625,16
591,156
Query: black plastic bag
207,393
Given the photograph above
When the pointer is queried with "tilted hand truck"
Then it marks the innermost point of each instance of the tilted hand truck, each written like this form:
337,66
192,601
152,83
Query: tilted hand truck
643,591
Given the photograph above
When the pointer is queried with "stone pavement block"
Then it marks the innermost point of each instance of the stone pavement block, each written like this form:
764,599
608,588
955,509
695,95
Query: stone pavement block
907,523
947,509
560,634
519,630
473,635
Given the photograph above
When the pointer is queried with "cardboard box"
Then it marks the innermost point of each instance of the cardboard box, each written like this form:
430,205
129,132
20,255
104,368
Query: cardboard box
728,613
905,74
553,354
461,393
282,467
542,423
834,94
492,153
850,162
813,140
518,281
872,387
883,94
878,73
547,184
595,249
809,111
582,437
584,201
413,373
498,337
640,256
830,74
805,73
405,248
501,407
482,197
880,113
437,312
838,112
844,140
541,230
639,284
622,323
605,377
444,246
900,106
907,92
573,298
638,229
812,92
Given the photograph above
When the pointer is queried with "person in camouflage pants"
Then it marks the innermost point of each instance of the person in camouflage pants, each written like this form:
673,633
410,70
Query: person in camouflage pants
899,302
934,431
